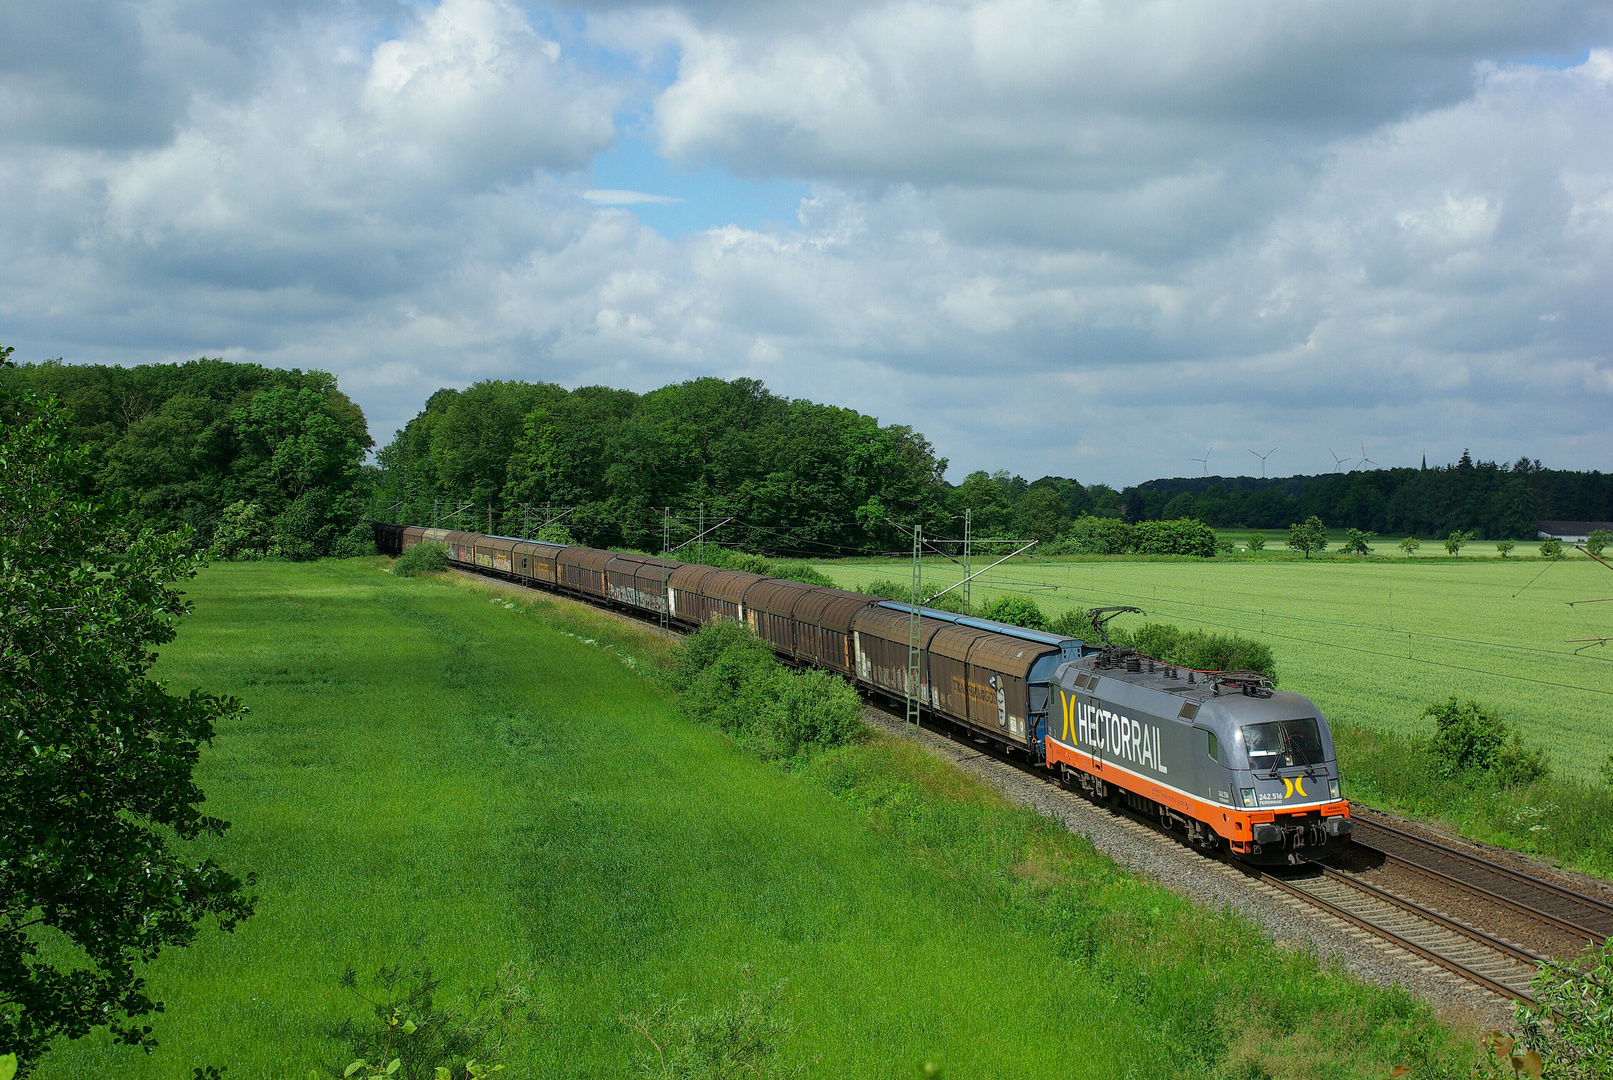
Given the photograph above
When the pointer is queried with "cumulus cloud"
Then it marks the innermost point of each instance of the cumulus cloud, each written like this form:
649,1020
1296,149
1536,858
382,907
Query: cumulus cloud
1084,238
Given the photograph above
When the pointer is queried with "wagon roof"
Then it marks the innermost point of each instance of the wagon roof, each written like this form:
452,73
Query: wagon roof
833,608
587,558
883,622
688,576
729,585
1009,655
954,641
777,596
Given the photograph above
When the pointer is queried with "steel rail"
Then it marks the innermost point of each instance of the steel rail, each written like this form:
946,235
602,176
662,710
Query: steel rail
1413,908
1528,881
1455,967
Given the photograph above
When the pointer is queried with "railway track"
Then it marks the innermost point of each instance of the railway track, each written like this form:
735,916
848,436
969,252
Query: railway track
1499,966
1585,918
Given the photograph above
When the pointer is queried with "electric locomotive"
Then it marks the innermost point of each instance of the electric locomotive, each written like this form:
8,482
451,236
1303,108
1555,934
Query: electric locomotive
1224,757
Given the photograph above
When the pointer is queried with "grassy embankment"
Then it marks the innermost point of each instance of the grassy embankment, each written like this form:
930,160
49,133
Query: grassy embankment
424,766
1375,642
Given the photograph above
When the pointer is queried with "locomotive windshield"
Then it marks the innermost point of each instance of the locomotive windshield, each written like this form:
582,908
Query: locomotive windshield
1283,744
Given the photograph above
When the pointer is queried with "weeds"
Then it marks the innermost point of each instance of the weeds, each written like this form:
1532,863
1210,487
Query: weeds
741,1040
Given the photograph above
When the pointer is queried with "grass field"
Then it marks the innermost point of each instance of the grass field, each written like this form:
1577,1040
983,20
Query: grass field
498,784
1371,642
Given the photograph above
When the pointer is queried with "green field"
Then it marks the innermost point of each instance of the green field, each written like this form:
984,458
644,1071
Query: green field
430,765
1372,642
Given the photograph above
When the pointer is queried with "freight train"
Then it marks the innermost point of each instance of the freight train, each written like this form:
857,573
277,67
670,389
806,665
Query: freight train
1223,758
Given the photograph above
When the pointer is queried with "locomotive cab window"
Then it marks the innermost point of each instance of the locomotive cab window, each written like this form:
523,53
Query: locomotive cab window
1283,744
1215,747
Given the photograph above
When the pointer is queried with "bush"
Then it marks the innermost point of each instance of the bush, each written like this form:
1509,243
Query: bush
1504,547
1184,536
1454,542
1016,611
1570,1029
1197,649
1256,542
1356,542
242,533
729,559
893,590
1598,540
727,676
426,557
1410,544
1074,624
1469,738
742,1041
1551,548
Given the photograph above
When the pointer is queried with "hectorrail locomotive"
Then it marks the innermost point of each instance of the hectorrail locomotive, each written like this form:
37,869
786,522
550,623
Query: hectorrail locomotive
1221,757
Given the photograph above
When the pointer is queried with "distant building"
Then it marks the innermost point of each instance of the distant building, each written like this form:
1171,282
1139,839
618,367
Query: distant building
1570,532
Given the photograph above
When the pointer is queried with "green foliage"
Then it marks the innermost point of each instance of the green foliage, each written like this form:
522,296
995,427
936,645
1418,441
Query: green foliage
727,676
729,559
1073,623
1308,536
556,534
97,756
175,444
1605,773
1551,548
1455,540
1256,542
412,1036
1197,649
243,532
1570,1026
1112,536
743,1040
782,468
1357,542
1016,611
1410,544
1470,738
895,590
1597,541
1504,547
426,557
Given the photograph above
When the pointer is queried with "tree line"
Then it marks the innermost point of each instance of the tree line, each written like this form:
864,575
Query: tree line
265,460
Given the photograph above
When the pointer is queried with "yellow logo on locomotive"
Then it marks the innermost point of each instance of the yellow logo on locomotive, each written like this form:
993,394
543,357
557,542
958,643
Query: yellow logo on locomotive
1297,784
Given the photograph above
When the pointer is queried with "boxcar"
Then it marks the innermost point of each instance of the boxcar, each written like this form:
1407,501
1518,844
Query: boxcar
770,611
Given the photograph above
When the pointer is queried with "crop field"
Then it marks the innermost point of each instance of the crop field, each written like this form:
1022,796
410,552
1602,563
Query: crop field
1371,642
432,768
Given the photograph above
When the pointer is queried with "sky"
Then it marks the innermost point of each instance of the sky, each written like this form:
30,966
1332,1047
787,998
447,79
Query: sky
1096,239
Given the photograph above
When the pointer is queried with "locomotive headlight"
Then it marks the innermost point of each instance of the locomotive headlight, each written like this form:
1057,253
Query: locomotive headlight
1248,795
1334,788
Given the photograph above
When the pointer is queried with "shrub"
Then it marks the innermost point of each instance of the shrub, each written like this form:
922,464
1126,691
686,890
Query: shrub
1551,548
1504,547
893,590
1570,1031
1256,542
1309,536
242,533
1016,611
1410,544
727,676
1074,624
555,534
1598,540
1196,649
1089,535
1356,542
742,1041
355,542
424,558
1469,738
1184,536
1454,542
729,559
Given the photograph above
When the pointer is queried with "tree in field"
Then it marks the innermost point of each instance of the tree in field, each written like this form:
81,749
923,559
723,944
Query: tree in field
1454,541
1597,540
1256,542
1410,544
97,757
1308,536
1504,547
1551,548
1357,542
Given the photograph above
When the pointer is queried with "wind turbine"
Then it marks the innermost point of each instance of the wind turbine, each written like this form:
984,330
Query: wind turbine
1205,460
1366,460
1337,461
1263,458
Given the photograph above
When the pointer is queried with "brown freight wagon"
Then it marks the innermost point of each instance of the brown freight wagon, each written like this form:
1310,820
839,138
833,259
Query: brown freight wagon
770,611
535,560
583,569
639,581
880,644
823,628
721,594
